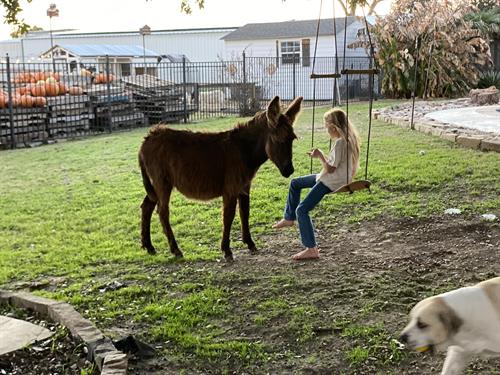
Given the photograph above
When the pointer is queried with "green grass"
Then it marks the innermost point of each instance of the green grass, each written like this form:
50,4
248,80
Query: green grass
72,210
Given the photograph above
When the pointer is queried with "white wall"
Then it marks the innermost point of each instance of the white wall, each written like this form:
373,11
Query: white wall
197,45
282,81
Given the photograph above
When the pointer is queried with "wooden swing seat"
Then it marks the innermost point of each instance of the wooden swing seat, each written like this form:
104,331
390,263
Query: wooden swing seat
354,186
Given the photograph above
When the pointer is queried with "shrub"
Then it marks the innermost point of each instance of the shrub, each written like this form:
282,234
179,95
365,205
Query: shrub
488,79
451,51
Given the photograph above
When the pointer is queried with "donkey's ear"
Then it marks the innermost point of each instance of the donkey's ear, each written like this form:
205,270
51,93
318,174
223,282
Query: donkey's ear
294,108
273,111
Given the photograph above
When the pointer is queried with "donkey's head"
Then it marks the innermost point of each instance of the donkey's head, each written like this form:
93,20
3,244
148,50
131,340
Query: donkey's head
281,135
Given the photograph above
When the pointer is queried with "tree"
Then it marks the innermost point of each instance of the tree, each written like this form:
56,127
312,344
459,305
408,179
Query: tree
350,6
18,34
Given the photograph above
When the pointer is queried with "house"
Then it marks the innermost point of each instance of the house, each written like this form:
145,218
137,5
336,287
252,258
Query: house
289,49
200,44
123,60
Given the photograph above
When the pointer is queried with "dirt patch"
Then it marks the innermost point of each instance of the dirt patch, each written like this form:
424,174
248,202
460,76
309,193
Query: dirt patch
340,314
57,355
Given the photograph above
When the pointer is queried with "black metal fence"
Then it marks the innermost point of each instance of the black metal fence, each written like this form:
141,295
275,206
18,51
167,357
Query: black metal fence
67,99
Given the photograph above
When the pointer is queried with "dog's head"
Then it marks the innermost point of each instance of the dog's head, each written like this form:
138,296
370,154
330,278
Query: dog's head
432,324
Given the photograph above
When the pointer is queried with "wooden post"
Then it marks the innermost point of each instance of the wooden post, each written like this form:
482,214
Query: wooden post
184,89
108,95
11,116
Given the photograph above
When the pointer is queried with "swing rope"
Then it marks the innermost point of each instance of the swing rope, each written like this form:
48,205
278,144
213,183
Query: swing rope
314,81
357,185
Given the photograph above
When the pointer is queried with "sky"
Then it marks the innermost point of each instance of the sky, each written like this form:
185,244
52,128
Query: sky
130,15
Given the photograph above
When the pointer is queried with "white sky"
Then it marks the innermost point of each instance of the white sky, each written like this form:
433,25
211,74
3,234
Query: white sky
128,15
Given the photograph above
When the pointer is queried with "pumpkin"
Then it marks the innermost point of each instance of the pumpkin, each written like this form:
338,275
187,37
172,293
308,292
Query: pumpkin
26,101
39,102
38,90
39,76
75,90
52,89
3,101
62,88
85,73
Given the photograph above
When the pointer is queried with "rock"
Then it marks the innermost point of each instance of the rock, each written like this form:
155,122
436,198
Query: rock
453,211
485,96
489,217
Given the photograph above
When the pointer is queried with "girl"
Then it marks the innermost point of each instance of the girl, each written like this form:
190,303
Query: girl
332,176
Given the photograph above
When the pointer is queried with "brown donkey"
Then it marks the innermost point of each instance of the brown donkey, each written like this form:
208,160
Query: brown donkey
208,165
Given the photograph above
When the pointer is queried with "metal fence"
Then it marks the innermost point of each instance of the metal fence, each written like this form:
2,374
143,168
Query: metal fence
62,99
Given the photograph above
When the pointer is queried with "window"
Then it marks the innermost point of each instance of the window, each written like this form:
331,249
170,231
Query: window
125,69
290,52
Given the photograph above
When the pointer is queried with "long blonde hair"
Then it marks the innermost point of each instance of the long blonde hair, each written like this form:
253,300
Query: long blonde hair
337,118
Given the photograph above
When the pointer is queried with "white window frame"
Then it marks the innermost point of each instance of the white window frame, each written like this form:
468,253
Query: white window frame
287,57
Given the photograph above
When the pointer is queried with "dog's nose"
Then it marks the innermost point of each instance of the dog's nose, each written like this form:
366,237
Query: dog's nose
403,338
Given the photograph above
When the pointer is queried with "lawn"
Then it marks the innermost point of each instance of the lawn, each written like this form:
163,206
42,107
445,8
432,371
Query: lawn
70,221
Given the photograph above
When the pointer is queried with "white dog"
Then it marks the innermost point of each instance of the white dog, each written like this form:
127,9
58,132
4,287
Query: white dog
465,321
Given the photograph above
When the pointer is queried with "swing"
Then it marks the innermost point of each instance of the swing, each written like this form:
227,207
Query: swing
371,72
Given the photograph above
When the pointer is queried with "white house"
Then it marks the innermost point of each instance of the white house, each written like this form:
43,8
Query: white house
203,44
289,49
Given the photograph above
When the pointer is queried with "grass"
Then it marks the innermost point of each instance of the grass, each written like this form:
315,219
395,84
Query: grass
72,210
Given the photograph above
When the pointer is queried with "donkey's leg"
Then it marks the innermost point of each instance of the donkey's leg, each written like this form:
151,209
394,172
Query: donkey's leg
147,206
164,212
229,211
244,207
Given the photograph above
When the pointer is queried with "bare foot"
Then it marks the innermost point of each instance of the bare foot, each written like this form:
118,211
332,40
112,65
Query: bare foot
283,223
308,253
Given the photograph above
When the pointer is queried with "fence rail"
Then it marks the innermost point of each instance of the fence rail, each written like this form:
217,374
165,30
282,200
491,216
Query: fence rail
67,99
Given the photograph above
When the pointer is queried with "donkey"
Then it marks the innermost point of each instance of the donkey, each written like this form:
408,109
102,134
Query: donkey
204,166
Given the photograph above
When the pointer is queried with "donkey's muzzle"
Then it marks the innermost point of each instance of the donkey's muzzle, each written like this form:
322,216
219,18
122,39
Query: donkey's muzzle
287,171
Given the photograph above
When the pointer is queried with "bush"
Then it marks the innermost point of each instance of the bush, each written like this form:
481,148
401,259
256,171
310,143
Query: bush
488,79
450,53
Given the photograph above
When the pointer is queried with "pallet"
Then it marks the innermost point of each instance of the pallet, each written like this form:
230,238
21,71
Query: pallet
66,100
4,131
70,119
25,137
83,124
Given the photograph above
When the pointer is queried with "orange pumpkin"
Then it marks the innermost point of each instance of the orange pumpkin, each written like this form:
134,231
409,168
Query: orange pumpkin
52,88
75,90
38,90
26,101
3,102
39,102
62,88
39,76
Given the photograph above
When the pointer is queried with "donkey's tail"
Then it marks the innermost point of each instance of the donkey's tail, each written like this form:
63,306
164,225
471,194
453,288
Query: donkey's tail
147,182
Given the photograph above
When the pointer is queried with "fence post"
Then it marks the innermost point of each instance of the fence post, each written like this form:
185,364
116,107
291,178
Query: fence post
184,89
294,78
414,91
108,95
11,116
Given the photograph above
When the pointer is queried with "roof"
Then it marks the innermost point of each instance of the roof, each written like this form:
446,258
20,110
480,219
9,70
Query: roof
288,29
115,50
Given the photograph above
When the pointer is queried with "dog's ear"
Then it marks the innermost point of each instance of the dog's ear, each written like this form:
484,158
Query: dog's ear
451,321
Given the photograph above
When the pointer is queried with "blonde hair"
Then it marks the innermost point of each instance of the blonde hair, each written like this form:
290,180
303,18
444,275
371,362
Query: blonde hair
337,118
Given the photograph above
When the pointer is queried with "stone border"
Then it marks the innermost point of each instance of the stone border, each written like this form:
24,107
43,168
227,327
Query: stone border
101,350
483,142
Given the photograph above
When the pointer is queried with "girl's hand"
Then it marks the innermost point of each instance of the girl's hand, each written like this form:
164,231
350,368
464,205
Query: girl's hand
315,153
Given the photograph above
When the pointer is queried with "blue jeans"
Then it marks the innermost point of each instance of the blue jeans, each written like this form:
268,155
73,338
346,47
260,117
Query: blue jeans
300,212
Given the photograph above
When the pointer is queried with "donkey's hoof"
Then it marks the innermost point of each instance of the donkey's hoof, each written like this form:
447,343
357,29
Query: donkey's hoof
178,254
151,250
229,258
253,250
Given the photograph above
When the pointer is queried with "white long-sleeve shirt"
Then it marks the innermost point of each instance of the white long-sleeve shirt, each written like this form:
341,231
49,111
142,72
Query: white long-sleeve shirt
338,158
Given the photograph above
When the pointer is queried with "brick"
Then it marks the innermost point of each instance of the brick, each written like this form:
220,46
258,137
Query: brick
99,350
32,302
5,297
115,363
449,136
491,144
469,141
79,327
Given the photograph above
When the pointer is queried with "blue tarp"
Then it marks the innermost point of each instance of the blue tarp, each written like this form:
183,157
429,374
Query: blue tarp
113,50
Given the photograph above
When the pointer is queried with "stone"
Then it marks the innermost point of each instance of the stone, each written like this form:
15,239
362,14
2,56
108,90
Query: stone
485,96
16,334
98,350
490,144
32,302
449,136
469,141
5,297
79,327
115,363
